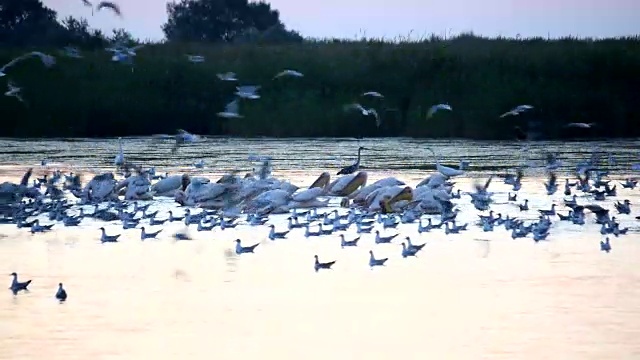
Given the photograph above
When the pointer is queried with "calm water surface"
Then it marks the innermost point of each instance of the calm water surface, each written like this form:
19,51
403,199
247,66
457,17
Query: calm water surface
460,299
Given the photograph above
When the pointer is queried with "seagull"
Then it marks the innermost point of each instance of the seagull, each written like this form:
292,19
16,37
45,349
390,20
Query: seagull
196,59
61,294
181,138
291,73
435,108
109,5
373,94
230,110
14,91
228,76
72,52
363,111
47,60
580,125
248,91
17,286
318,265
517,110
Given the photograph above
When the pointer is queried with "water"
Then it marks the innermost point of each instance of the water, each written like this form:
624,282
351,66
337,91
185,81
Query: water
460,299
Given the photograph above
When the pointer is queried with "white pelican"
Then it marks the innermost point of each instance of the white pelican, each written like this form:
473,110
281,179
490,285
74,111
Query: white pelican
346,185
119,159
445,170
517,110
435,108
291,73
231,110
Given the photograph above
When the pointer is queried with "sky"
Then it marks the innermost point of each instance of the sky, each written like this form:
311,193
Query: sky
392,18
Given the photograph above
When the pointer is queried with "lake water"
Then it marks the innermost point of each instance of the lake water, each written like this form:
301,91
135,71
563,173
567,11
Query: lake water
460,299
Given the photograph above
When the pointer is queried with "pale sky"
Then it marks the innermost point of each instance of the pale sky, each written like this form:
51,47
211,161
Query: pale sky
390,18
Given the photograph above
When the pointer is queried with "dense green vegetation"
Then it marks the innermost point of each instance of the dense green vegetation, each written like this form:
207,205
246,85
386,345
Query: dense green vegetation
567,80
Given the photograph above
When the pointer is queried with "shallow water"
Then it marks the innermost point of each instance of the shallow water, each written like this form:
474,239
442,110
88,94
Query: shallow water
460,299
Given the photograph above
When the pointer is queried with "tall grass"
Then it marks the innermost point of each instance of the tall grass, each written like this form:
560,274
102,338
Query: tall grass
567,80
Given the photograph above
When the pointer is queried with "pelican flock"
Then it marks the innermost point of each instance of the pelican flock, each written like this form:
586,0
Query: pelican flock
348,209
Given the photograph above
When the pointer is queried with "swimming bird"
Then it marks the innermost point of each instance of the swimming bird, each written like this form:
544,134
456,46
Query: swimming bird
605,245
47,60
291,73
61,294
365,112
231,110
244,249
276,235
406,251
109,5
376,262
14,91
436,108
517,110
353,167
108,238
17,286
344,243
444,170
119,159
248,91
318,265
146,235
228,76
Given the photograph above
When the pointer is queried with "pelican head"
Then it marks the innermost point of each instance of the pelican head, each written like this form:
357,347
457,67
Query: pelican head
321,181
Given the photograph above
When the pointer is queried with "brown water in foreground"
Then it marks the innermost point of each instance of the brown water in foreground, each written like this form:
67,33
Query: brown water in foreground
460,299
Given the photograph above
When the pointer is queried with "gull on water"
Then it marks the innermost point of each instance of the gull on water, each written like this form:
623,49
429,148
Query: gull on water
109,5
248,91
61,294
436,108
47,60
287,72
363,111
231,110
17,286
444,170
517,110
228,76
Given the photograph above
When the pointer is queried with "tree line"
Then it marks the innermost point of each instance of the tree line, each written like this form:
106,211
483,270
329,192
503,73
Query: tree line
566,80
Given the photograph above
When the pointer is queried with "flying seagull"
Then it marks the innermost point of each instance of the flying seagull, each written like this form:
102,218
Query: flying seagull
47,60
109,5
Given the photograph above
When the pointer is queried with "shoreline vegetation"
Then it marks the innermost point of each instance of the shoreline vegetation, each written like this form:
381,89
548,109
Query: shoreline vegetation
567,80
158,90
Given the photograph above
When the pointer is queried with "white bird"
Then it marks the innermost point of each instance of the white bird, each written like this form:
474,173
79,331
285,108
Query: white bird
196,58
47,60
435,108
119,159
292,73
228,76
363,111
181,137
231,110
445,170
517,110
248,91
581,125
14,91
109,5
373,94
120,49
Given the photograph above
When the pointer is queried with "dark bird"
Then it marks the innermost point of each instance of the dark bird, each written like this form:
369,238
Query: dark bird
61,294
353,167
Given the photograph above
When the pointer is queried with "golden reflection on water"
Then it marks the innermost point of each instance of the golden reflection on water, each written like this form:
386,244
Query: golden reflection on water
460,299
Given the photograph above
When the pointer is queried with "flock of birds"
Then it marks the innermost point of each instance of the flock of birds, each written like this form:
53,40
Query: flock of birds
125,54
370,209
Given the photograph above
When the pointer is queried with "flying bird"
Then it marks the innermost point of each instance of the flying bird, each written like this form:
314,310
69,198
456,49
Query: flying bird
230,110
517,110
365,112
109,5
47,60
580,125
374,94
291,73
228,76
14,91
436,108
